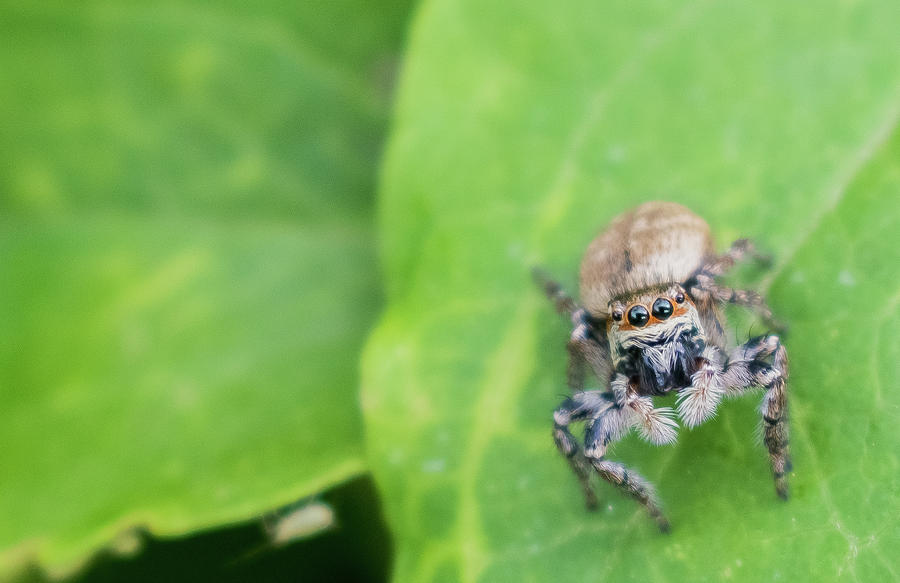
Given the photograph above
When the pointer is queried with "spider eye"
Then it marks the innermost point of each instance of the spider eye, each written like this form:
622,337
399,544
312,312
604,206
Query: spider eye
638,316
617,316
679,298
662,309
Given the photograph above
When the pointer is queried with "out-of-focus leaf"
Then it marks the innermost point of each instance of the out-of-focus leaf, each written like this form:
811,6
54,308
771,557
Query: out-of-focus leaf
186,260
522,129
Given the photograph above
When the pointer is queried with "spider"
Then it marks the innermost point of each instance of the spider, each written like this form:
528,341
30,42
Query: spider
650,324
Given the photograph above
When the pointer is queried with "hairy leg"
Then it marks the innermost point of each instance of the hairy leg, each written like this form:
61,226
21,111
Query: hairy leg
774,414
563,303
747,368
584,348
699,402
654,424
703,283
606,428
740,249
580,406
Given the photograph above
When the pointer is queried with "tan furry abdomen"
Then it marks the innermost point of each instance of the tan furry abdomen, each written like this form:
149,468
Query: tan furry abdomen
653,244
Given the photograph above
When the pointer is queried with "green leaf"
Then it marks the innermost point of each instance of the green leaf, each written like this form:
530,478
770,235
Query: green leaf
522,130
186,260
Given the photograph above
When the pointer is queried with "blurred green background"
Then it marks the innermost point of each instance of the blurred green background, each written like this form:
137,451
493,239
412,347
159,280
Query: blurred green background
207,209
187,269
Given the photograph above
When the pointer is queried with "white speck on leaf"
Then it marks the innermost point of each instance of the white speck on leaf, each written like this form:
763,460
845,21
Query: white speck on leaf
434,466
396,457
846,278
302,522
616,154
514,250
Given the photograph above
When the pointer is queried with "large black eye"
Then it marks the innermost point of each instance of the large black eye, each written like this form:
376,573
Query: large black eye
638,316
662,309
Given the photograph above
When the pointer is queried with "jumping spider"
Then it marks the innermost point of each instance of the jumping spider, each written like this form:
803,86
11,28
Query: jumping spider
651,324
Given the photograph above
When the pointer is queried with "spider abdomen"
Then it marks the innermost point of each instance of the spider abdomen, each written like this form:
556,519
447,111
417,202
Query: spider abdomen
653,244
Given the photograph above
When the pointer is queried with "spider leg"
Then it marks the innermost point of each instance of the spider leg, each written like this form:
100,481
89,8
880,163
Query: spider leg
563,303
703,285
584,348
654,425
698,402
610,425
741,248
747,368
774,414
582,405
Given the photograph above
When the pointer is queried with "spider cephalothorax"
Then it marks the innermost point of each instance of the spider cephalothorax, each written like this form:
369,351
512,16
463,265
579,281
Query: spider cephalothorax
656,337
648,283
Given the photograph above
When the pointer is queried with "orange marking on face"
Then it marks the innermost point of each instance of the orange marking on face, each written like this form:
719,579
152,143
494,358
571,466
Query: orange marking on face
677,310
680,309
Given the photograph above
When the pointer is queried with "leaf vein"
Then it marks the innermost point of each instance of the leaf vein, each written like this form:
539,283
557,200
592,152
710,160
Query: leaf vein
838,186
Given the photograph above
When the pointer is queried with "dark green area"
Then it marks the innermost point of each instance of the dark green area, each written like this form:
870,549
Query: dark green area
356,550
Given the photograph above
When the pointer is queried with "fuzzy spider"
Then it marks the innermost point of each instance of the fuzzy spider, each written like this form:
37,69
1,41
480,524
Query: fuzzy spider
651,324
